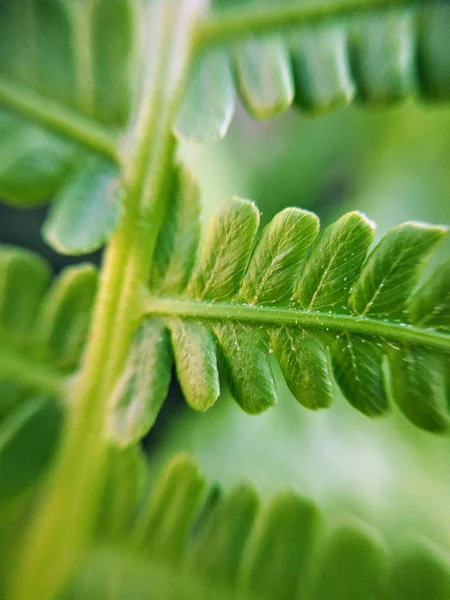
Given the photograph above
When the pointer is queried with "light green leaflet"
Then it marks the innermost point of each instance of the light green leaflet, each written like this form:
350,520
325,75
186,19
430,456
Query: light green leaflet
229,544
323,304
142,389
209,102
86,209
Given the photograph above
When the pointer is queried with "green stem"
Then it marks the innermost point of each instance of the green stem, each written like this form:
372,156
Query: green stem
29,372
63,525
59,119
270,18
396,332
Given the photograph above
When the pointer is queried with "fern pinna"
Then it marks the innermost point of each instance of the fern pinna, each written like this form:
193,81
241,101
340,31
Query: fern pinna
321,303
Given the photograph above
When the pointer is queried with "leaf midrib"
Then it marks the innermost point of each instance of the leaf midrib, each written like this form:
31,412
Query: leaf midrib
234,24
401,333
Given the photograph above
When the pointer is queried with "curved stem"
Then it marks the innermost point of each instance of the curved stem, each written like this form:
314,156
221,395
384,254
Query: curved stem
271,316
63,525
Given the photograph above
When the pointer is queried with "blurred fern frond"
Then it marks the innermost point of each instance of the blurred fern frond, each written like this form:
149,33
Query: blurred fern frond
43,330
183,543
69,74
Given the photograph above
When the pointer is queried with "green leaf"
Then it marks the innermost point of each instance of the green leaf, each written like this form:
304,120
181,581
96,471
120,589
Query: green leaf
279,547
35,46
383,57
208,105
358,369
433,58
226,251
66,76
194,350
328,274
264,76
422,571
28,440
275,263
321,68
86,210
42,331
67,51
235,550
142,388
391,271
64,317
216,552
321,306
430,305
251,383
168,515
24,277
71,69
114,27
418,385
305,365
351,565
175,251
370,50
126,478
33,162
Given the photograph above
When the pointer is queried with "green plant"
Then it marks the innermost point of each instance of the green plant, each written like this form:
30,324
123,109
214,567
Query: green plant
94,96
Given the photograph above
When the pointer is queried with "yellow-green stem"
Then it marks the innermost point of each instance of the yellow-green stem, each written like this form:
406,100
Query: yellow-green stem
64,521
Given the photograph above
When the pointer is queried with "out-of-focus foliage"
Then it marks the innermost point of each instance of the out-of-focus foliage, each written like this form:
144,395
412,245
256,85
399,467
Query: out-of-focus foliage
43,332
180,545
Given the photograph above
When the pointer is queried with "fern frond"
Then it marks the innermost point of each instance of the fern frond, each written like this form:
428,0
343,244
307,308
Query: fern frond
321,303
183,543
43,329
318,57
